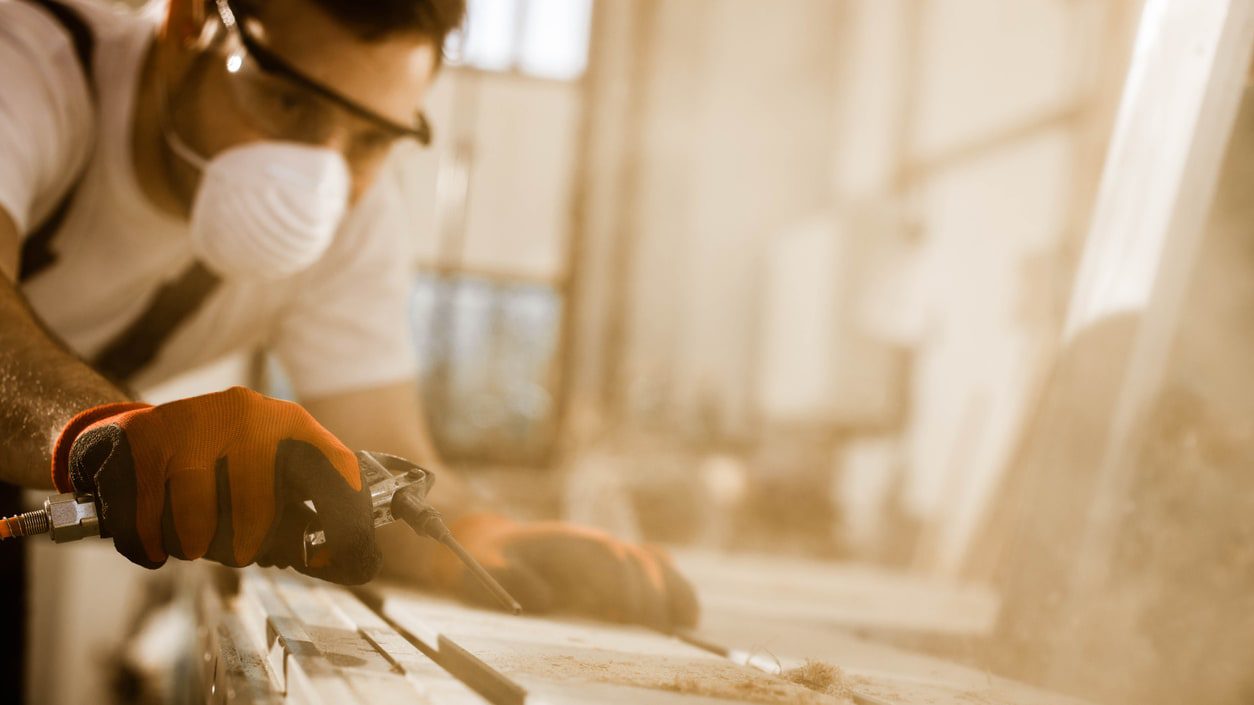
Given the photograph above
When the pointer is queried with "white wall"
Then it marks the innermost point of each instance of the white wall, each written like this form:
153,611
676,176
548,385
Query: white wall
509,141
735,136
1023,78
969,126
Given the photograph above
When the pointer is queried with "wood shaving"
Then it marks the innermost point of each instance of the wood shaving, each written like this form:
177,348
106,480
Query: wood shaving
700,676
820,677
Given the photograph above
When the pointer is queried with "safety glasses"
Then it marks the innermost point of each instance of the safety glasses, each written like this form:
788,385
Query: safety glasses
287,103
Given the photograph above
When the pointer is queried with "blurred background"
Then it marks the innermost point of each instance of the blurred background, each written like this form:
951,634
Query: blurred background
788,280
812,254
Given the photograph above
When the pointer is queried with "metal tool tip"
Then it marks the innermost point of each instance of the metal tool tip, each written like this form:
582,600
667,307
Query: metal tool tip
483,576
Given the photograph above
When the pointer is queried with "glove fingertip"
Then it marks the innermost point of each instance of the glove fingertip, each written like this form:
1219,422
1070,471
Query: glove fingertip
346,515
104,454
345,568
67,440
135,553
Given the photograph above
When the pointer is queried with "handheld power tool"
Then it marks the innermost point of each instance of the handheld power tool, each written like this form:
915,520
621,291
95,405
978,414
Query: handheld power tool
398,490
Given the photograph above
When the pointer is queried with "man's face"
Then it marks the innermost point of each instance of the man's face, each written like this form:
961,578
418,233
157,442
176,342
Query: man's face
229,105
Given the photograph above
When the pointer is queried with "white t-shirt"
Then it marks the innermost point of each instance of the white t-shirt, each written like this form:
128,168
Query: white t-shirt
341,325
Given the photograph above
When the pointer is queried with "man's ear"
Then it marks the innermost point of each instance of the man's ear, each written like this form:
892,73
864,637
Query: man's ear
184,20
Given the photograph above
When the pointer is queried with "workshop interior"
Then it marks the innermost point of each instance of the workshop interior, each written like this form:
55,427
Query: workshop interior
912,331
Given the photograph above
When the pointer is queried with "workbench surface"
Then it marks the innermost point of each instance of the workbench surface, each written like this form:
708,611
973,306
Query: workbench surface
287,639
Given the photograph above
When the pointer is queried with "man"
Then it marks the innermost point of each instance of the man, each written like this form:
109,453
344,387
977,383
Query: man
199,179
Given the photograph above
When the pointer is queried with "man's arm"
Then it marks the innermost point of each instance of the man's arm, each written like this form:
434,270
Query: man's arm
545,565
42,385
390,419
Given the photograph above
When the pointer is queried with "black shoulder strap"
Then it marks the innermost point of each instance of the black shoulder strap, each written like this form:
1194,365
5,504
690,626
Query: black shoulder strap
37,254
80,33
173,304
138,344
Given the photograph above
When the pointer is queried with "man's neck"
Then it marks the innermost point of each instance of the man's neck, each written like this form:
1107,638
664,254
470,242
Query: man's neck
163,178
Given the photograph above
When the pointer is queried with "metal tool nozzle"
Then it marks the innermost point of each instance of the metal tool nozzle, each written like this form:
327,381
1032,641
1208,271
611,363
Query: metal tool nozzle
427,520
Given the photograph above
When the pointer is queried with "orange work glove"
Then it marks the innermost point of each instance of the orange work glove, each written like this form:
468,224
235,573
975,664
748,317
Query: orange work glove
222,476
554,566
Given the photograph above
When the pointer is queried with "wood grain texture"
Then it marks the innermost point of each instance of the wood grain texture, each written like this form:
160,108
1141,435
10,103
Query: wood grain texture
323,646
1179,105
366,671
875,672
241,675
836,594
424,674
306,674
775,613
392,645
527,660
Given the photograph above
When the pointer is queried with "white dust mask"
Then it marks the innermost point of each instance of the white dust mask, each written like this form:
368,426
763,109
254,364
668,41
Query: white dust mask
266,210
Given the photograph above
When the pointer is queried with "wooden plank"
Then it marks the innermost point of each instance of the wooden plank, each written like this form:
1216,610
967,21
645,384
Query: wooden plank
526,659
365,670
423,673
241,676
1179,104
306,674
1174,123
876,673
774,613
836,594
234,667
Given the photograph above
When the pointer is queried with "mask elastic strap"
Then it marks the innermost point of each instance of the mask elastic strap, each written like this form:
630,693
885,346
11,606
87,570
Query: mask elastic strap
180,148
176,143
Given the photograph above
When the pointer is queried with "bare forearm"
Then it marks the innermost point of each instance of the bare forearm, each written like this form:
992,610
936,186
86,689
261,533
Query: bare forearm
42,386
390,419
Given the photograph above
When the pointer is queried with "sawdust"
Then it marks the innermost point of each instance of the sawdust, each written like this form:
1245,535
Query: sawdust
827,685
820,677
764,689
703,677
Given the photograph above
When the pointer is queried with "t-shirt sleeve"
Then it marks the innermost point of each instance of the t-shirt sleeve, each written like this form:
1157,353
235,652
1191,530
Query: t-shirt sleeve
45,113
348,327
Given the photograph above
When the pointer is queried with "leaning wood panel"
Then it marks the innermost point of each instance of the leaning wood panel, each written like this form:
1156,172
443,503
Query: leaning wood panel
1177,112
1180,101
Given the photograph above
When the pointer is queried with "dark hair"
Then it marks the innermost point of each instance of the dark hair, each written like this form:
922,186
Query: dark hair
375,19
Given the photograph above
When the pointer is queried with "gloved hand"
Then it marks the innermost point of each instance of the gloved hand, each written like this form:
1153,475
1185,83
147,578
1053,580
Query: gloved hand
222,476
555,566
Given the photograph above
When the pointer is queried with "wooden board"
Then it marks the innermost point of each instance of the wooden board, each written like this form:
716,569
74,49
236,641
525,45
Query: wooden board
305,674
527,659
876,673
438,685
241,676
322,646
1179,104
319,643
234,666
836,594
776,612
